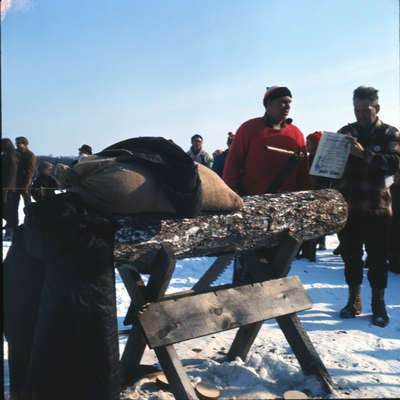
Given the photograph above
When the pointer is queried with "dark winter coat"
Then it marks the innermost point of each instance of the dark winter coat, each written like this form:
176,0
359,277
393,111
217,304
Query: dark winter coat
59,306
9,167
43,187
219,163
26,169
363,184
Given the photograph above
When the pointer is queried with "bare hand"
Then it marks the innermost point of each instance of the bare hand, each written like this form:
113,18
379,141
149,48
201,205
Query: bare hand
356,149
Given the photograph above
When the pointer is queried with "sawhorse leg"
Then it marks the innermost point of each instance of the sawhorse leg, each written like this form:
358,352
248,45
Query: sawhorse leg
178,380
257,271
304,350
290,325
160,277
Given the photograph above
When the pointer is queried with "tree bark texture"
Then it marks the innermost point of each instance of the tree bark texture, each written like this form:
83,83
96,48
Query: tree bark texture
262,222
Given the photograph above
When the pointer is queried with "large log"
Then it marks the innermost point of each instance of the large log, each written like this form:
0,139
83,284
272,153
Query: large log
263,222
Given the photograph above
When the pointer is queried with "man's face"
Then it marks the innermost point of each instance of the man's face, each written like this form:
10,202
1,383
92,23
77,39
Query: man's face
278,109
197,143
20,146
48,171
365,111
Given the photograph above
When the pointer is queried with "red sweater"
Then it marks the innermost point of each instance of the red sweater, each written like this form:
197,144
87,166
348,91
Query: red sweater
251,169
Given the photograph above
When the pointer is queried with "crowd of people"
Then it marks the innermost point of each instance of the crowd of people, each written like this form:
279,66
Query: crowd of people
370,183
22,177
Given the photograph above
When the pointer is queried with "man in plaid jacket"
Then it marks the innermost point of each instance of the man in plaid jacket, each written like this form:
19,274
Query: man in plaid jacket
374,159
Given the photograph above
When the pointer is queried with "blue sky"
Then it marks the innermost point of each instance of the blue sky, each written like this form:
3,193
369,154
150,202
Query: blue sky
97,72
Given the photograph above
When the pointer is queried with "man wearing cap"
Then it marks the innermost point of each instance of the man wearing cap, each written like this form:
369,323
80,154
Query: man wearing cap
249,169
374,159
197,153
220,160
84,151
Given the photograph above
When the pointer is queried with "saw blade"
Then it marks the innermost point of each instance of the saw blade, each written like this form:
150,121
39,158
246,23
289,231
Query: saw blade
212,274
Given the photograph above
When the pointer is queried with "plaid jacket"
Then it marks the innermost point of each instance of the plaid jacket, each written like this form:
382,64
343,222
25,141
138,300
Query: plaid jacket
364,184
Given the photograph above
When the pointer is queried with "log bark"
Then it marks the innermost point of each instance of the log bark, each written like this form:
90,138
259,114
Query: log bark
262,222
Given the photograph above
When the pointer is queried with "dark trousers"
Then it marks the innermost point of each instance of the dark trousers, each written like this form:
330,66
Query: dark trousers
9,213
13,205
374,233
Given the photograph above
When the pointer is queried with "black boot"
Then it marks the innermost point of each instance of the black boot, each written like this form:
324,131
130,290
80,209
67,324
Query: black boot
353,306
379,314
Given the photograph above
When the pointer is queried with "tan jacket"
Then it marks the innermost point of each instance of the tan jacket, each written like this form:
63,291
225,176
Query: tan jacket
26,169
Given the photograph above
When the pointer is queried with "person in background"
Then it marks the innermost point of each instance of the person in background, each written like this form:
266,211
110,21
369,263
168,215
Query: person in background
249,169
394,250
374,159
44,185
9,167
26,169
197,153
220,160
84,151
216,153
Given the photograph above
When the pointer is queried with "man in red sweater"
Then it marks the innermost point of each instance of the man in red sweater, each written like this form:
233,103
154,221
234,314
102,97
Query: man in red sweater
249,168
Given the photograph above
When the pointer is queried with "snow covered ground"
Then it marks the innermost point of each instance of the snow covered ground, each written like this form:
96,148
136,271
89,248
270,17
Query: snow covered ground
363,359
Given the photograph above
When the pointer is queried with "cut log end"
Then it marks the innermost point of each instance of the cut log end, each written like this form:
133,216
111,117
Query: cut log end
207,391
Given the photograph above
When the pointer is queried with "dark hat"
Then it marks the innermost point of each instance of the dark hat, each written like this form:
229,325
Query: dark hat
273,92
85,148
22,140
197,136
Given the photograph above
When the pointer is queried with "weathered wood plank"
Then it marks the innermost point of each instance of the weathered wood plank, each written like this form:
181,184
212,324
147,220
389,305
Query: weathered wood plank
130,277
263,222
173,321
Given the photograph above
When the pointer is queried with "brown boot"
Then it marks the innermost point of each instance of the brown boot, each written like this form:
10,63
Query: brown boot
379,314
353,306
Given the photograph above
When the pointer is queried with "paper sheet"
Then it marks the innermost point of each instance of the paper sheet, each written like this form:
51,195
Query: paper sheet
331,156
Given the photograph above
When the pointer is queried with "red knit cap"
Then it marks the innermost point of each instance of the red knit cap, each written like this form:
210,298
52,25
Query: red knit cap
314,137
273,92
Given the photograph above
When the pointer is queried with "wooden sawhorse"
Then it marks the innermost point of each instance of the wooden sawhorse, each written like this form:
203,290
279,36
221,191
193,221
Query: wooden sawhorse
162,320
